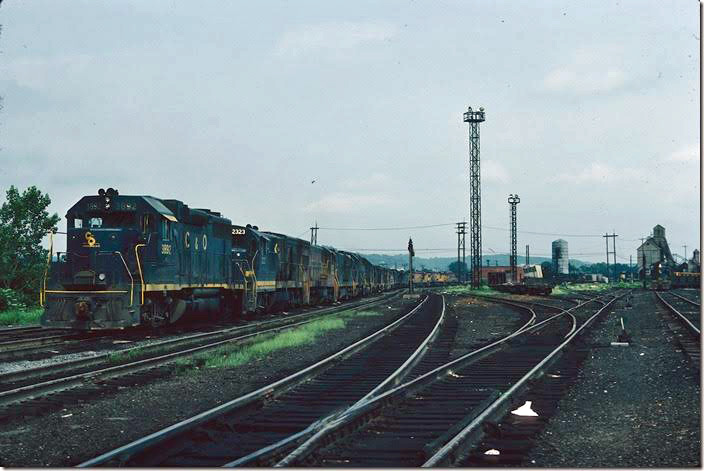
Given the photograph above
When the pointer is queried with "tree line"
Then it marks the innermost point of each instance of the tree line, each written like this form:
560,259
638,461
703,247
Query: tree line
24,222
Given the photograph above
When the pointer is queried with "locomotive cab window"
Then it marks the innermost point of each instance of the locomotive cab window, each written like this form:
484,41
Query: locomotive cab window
165,229
146,223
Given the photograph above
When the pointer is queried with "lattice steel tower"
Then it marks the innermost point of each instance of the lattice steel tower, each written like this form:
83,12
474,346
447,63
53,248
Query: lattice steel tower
513,200
475,195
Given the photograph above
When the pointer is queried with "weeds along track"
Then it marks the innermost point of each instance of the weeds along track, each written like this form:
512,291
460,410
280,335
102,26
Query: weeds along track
415,423
289,406
32,391
684,320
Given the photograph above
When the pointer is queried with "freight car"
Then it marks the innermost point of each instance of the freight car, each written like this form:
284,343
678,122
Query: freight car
680,279
133,260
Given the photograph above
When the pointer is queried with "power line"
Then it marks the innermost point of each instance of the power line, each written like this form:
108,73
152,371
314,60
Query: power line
428,226
383,228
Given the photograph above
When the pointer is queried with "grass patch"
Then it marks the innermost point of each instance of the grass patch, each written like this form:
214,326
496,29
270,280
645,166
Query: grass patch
20,316
230,356
567,289
469,291
123,356
365,314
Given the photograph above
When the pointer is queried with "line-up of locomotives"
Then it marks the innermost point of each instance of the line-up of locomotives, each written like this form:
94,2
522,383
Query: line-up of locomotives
133,260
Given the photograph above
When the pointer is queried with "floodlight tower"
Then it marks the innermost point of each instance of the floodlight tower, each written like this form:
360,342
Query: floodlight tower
513,200
475,194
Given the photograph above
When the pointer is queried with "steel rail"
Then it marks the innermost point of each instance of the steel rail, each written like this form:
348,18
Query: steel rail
395,377
18,329
499,407
331,424
71,365
683,298
691,327
17,348
66,382
126,451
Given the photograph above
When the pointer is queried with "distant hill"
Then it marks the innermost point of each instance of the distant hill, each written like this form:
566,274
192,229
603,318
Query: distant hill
441,263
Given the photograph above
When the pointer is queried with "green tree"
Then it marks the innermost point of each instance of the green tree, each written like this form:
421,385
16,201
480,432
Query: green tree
24,221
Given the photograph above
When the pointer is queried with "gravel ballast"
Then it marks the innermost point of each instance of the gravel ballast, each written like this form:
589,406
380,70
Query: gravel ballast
636,406
84,430
79,432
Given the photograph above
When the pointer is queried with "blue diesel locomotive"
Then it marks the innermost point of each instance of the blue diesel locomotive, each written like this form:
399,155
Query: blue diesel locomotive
134,260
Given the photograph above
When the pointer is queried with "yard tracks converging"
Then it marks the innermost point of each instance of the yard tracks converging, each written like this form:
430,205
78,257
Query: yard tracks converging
46,387
436,418
292,406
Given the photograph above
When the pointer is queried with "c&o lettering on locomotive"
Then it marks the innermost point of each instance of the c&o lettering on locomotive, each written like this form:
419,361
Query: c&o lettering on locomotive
90,240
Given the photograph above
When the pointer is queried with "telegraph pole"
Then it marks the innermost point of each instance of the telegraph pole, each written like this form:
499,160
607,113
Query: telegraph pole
475,194
411,254
612,236
630,266
685,254
314,234
513,200
642,246
461,231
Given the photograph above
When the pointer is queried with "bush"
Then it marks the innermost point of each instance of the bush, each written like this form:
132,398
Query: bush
11,300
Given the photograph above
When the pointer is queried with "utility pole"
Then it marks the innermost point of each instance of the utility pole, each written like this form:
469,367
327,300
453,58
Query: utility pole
461,231
685,254
411,254
630,267
612,236
642,246
513,200
475,194
527,255
314,234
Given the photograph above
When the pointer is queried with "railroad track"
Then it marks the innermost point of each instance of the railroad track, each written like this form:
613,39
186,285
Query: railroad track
684,322
428,420
693,295
30,391
292,415
34,343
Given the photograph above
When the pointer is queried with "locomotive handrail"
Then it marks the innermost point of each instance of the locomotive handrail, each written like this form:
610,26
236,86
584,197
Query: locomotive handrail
130,274
139,266
42,288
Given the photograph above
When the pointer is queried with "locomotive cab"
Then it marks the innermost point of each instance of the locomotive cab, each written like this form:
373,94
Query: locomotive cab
136,259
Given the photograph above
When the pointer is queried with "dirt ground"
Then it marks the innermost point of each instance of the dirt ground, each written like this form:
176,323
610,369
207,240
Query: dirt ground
637,406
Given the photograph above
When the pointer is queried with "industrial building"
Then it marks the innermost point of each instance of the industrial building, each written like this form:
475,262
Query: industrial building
654,249
498,275
560,259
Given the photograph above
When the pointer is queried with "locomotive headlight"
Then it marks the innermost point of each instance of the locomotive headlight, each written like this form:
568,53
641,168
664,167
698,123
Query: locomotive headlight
101,277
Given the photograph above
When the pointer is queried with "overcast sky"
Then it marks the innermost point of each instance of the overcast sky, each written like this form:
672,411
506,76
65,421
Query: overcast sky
592,114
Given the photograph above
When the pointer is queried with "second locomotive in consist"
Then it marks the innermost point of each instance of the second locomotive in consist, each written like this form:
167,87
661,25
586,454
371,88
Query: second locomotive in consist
133,260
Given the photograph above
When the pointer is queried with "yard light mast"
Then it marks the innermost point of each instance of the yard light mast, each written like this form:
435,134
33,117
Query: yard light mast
475,194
